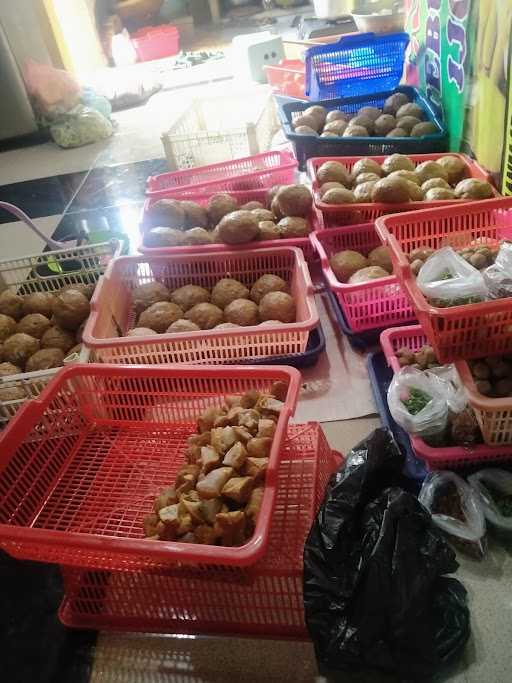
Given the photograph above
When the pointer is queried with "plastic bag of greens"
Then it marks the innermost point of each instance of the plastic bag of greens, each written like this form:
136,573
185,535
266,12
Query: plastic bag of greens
456,509
375,594
81,126
498,277
494,487
446,279
418,402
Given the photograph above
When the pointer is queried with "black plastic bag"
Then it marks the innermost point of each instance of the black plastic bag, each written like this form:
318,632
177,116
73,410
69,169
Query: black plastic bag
375,596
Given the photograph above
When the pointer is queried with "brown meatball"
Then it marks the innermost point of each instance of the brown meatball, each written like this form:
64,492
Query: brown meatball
70,309
39,302
242,312
238,227
18,348
205,316
159,316
7,369
293,226
7,326
148,294
196,216
197,236
219,205
34,324
265,284
277,306
167,213
164,237
45,359
11,304
227,290
268,231
140,332
183,325
56,338
189,295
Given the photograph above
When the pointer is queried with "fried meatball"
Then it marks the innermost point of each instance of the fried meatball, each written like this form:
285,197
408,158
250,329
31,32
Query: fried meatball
7,369
159,316
238,227
140,332
57,338
164,237
167,213
265,284
277,306
219,205
197,236
11,304
7,326
196,216
18,348
183,325
293,226
206,316
189,295
268,231
148,294
227,290
242,312
70,309
34,324
45,359
39,302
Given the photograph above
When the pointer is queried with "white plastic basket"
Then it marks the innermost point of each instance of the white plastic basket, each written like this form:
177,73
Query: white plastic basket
220,127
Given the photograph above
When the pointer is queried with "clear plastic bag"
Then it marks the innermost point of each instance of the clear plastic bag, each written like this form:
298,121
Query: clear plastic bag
415,385
82,126
456,509
498,277
494,486
446,279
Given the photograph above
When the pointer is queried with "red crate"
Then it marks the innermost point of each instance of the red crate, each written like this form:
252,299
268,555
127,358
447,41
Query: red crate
241,197
270,603
287,78
458,332
156,42
258,172
377,303
82,464
335,215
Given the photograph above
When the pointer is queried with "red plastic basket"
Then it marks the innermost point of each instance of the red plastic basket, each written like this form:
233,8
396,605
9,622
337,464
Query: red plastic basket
459,332
335,215
241,197
83,463
414,338
287,78
112,312
156,42
369,305
261,171
270,603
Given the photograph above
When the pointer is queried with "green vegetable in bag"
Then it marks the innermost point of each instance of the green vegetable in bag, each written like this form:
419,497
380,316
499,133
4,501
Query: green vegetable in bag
81,126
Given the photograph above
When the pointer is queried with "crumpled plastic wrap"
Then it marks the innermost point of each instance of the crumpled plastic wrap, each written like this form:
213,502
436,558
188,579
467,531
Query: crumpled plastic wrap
81,126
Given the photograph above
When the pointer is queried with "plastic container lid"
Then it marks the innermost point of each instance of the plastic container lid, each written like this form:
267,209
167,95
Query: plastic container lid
356,65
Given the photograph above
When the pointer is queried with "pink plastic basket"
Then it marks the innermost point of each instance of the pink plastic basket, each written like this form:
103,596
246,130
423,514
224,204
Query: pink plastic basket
269,603
241,197
250,173
369,305
83,463
287,78
413,338
156,42
335,215
112,311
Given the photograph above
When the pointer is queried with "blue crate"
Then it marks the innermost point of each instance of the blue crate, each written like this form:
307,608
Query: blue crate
356,65
315,346
307,146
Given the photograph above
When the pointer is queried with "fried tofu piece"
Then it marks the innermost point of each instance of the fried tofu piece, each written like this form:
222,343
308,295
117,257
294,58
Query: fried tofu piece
150,524
213,483
255,467
186,471
279,389
167,532
259,447
252,508
223,438
170,515
266,428
209,509
199,439
166,497
236,456
232,401
191,507
238,489
185,525
230,527
242,434
206,420
250,398
269,405
249,419
210,459
205,534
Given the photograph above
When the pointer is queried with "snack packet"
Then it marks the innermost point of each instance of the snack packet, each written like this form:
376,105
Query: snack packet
494,486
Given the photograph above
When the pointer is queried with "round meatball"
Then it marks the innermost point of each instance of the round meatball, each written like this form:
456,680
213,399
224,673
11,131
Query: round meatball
39,302
197,236
294,227
238,227
397,162
7,326
205,316
227,290
12,394
56,338
366,165
219,206
164,237
140,332
167,213
70,309
159,316
277,306
7,369
189,295
11,304
196,216
242,312
430,169
19,347
263,215
268,231
265,284
148,294
45,359
34,324
86,290
225,326
183,325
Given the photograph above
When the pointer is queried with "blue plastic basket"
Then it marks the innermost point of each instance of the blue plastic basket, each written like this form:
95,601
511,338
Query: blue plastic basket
356,65
307,146
315,346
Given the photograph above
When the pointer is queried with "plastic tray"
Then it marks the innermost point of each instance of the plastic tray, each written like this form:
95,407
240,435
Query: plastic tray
360,64
156,42
48,272
307,146
287,78
82,464
453,457
269,604
378,303
356,213
241,197
261,171
112,310
459,332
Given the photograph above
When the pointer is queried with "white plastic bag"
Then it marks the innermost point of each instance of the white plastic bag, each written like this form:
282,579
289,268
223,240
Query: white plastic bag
431,420
446,279
498,277
79,127
456,509
491,485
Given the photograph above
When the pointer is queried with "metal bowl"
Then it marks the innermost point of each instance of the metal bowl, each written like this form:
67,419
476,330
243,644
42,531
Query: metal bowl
380,23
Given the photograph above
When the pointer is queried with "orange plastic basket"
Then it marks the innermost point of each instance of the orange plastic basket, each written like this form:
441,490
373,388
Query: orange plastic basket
82,464
269,603
112,310
494,415
377,303
459,332
348,214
